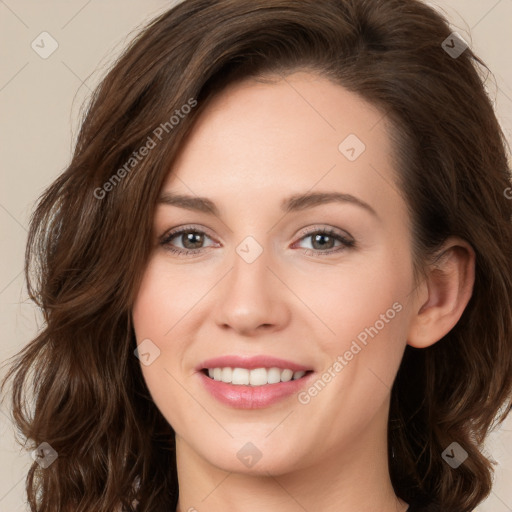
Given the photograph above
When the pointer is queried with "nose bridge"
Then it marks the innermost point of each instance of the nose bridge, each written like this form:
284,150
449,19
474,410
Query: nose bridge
250,296
250,262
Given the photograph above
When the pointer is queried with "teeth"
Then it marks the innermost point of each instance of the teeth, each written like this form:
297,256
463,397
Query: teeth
256,377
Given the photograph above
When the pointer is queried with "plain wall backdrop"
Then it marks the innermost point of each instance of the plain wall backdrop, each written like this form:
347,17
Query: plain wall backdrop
40,101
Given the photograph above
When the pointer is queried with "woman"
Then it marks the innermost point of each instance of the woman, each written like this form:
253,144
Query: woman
276,274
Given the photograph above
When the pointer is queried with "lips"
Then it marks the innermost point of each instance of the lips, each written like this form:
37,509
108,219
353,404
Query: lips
253,397
250,363
242,396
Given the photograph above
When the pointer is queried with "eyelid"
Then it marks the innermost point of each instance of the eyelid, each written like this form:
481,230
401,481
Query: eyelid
170,233
336,231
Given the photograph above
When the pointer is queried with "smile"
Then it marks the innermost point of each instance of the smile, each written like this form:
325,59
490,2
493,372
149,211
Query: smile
254,377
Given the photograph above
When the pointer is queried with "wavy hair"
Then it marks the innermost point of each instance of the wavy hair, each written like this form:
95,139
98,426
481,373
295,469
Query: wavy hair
89,242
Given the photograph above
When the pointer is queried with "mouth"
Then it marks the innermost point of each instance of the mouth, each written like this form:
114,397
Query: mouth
255,377
253,388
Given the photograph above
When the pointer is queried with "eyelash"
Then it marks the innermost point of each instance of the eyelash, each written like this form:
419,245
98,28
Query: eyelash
347,243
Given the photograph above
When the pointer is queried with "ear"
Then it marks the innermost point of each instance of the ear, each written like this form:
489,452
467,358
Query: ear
444,294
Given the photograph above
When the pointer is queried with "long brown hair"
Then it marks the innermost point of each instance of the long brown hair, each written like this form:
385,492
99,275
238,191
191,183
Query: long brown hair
89,241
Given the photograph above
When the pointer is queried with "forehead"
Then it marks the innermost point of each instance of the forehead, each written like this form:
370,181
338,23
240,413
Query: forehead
287,136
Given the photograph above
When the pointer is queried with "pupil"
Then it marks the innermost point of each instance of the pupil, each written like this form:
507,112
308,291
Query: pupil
189,237
317,237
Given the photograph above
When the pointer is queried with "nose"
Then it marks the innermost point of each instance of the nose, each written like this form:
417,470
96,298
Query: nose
253,297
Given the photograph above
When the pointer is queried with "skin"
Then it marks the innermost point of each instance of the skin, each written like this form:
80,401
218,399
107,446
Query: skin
254,145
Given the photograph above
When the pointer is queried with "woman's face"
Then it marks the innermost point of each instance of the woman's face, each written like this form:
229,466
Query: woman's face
262,280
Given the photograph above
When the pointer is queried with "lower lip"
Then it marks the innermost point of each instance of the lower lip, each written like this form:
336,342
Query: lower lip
253,397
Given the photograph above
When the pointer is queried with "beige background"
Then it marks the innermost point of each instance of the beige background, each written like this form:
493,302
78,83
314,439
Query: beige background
40,100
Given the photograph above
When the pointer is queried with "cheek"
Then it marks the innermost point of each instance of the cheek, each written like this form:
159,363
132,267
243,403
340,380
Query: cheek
366,309
153,316
359,298
152,319
370,333
162,313
162,300
148,315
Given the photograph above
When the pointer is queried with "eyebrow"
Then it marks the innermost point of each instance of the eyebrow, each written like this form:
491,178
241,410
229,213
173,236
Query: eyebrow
293,203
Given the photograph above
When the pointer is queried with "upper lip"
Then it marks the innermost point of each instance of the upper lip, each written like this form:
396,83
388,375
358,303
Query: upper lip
262,361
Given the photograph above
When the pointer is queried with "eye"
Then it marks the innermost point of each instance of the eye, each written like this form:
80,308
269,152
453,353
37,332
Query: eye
323,241
190,238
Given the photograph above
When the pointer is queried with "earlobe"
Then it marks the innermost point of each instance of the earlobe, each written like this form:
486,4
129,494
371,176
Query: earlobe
448,287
